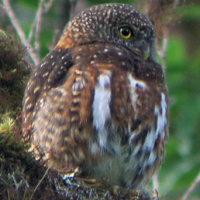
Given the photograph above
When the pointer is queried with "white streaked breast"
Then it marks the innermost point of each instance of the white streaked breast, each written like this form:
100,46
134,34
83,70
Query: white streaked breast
150,139
161,116
133,84
101,107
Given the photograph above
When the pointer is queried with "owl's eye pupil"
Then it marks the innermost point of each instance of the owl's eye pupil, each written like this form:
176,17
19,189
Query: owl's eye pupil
125,32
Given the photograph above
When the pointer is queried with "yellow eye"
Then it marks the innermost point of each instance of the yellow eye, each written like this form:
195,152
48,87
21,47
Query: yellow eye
125,32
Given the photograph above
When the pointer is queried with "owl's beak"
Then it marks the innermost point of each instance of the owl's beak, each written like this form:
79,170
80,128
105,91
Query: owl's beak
145,52
142,49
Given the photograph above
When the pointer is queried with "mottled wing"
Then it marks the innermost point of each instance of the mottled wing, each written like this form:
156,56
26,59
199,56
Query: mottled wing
50,73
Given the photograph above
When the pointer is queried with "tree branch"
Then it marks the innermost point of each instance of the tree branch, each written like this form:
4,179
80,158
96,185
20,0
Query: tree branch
191,188
19,31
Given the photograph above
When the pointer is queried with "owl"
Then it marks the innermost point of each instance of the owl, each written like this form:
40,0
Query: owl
98,101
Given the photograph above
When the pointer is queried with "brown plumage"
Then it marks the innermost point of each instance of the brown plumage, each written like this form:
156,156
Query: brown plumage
98,101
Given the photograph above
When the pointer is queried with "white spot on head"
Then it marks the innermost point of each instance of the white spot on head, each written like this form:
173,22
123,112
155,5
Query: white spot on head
42,65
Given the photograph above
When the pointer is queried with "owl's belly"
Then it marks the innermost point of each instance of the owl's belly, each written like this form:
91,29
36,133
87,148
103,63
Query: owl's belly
129,145
123,165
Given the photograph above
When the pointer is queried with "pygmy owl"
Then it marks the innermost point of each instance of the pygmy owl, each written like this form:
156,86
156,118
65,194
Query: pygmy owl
98,101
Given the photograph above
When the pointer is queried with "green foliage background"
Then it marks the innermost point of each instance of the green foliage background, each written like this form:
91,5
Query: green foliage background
182,162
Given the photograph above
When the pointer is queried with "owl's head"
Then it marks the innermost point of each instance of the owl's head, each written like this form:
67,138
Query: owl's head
118,24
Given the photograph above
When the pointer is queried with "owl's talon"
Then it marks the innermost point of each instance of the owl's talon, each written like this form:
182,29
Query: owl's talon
89,182
69,177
